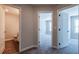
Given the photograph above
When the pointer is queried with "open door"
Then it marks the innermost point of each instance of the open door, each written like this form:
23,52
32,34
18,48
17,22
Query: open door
63,32
2,30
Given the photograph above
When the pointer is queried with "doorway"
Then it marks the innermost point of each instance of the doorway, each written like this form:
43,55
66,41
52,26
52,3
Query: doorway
68,29
45,30
11,29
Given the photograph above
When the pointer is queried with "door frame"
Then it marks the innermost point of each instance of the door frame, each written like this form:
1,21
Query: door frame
19,24
38,28
3,29
67,7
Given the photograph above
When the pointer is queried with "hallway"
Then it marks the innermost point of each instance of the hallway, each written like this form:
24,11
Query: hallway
72,48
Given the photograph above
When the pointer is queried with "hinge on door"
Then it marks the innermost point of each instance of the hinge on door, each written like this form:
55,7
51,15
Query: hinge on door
59,14
59,29
59,43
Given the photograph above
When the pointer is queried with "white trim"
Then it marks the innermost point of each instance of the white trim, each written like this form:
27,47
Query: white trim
29,47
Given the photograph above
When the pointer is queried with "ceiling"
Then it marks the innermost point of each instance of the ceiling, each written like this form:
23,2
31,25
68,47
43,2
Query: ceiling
72,11
11,10
52,5
15,11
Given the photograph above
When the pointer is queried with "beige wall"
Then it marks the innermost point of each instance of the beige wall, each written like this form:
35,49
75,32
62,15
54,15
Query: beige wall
11,25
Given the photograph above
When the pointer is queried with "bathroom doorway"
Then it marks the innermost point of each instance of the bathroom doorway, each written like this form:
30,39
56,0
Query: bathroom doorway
12,16
45,30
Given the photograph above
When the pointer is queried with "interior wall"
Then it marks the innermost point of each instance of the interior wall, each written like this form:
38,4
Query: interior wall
11,26
26,27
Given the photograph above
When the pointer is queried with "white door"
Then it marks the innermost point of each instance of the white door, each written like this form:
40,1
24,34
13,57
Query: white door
63,32
2,28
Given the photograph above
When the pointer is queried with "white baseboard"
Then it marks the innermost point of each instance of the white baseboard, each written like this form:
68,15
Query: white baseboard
29,47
